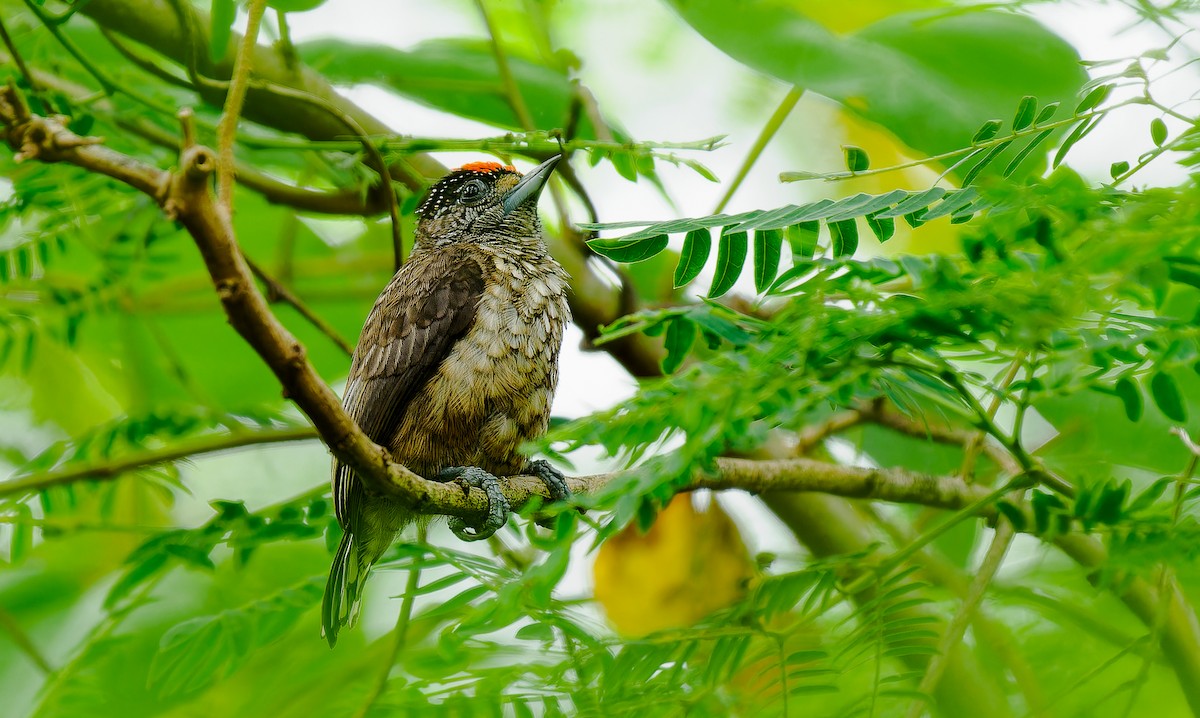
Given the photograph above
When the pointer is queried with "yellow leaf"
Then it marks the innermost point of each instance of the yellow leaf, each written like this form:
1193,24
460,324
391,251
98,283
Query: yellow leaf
689,564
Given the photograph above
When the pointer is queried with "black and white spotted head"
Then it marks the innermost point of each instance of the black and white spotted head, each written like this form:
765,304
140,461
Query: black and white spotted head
482,200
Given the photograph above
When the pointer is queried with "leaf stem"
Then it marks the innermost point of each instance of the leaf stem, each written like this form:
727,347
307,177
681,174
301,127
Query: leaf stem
764,137
995,141
400,634
227,126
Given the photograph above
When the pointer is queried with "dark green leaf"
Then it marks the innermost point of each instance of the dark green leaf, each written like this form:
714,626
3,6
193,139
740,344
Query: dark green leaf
624,251
1147,498
845,237
987,131
1127,390
731,256
802,238
1167,398
883,229
134,577
1118,168
768,246
1046,113
680,336
1183,275
1158,131
1025,151
1025,111
191,555
856,158
1093,98
221,18
1014,514
1107,509
985,161
696,247
1081,130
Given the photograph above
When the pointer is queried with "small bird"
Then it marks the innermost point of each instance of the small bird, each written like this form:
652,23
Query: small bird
456,366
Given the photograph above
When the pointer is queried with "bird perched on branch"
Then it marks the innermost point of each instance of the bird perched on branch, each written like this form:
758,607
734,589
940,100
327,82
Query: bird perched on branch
456,366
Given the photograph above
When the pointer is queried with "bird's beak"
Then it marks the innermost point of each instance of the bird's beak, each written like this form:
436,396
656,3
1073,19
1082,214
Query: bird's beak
530,185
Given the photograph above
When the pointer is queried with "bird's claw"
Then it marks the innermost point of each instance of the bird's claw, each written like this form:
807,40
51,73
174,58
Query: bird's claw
555,481
469,477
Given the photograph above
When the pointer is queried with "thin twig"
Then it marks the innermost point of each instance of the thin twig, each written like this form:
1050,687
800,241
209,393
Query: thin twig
1166,585
276,291
987,144
764,137
965,614
511,91
111,468
243,65
16,56
10,624
400,634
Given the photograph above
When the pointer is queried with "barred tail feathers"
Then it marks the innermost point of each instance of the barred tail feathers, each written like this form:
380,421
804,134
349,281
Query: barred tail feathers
344,589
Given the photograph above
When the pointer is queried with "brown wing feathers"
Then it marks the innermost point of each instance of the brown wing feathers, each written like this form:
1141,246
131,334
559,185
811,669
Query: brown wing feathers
430,304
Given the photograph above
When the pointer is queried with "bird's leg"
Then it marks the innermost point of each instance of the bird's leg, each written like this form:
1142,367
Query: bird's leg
498,508
555,481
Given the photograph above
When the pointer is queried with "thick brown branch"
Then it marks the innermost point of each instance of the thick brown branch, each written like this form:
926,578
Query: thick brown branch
893,485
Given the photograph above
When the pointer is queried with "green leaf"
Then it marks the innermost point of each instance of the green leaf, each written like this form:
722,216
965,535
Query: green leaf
1083,129
768,246
1025,151
696,247
1167,398
1129,394
1118,168
1014,514
221,19
624,251
133,578
1147,498
929,76
1046,113
541,632
1158,131
802,238
1093,98
883,229
985,161
199,651
680,337
845,237
856,158
1025,110
458,76
1107,509
455,604
987,131
731,255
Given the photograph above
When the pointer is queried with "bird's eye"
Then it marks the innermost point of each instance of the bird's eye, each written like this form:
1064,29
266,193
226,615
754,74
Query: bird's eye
472,192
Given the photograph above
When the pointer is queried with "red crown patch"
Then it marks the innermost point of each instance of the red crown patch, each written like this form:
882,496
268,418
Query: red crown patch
485,167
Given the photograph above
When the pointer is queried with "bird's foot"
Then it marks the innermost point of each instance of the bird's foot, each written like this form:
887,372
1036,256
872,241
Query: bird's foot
555,481
469,477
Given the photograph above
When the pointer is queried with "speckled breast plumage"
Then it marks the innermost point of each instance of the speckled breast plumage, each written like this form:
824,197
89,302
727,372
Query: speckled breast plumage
493,391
